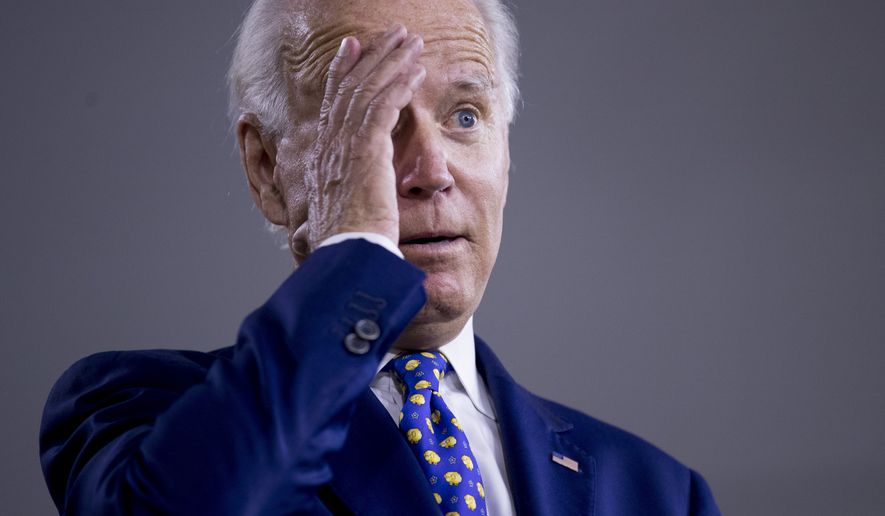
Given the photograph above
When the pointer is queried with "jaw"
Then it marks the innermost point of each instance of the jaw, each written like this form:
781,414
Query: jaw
451,301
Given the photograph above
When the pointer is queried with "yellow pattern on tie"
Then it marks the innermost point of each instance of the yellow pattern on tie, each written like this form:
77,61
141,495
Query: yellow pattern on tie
442,449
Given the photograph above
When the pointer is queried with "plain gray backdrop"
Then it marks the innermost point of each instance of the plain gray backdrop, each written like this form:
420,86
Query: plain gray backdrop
694,245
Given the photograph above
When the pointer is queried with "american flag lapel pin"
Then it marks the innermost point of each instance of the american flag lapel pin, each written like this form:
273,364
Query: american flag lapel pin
566,462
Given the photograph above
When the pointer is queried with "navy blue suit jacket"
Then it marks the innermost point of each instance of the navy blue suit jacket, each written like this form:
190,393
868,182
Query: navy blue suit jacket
284,422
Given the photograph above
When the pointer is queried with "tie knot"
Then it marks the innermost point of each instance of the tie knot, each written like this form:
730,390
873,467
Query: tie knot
419,371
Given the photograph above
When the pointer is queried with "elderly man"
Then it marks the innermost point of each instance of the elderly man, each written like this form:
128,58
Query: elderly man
375,133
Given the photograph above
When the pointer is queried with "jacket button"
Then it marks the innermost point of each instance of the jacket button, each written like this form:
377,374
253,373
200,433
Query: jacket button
367,329
356,345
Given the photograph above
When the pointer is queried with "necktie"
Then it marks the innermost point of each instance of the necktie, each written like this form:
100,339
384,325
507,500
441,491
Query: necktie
435,436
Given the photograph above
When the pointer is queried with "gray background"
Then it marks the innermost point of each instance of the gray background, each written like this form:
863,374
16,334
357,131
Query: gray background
693,248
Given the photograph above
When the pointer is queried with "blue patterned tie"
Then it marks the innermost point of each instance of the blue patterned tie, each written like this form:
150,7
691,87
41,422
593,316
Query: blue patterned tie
435,436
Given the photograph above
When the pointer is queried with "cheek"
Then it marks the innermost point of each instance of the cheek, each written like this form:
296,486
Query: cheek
486,181
481,173
493,187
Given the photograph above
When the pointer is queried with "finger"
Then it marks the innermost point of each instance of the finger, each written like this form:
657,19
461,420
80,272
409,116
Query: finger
371,56
397,63
343,62
383,112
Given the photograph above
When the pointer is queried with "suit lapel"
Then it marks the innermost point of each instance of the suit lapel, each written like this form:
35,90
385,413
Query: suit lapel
530,435
375,472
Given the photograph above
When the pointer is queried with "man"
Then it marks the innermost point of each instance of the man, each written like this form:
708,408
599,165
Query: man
375,133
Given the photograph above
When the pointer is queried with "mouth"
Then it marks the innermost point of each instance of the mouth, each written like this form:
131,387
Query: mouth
431,242
427,239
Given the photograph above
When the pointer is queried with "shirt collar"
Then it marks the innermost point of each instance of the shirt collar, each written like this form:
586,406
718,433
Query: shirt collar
461,354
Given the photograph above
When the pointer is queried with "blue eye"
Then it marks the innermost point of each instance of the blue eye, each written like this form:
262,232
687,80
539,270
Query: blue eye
466,118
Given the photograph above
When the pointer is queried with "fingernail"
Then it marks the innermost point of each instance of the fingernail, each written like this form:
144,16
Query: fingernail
343,46
396,27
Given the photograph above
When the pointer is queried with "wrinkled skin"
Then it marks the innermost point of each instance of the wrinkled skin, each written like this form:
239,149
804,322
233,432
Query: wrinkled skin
403,133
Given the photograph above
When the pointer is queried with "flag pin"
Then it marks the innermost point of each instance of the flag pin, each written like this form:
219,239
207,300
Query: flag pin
566,462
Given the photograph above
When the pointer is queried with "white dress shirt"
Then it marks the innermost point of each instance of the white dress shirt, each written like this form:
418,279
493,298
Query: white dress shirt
464,392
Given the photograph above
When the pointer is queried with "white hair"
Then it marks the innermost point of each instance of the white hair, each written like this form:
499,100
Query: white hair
258,85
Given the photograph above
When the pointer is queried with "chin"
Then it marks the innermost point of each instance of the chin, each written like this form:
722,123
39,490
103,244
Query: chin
449,296
449,306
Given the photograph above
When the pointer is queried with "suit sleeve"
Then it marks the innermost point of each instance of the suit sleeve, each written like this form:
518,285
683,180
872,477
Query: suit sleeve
143,433
701,497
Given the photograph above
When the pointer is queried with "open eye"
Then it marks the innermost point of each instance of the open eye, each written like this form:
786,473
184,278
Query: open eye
465,118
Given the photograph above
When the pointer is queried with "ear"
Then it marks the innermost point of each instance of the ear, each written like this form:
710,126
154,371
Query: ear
258,154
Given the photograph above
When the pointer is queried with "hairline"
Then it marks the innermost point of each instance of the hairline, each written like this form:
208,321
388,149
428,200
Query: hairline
270,101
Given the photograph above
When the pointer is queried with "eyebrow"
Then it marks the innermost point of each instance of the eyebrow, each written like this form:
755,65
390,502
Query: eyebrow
474,83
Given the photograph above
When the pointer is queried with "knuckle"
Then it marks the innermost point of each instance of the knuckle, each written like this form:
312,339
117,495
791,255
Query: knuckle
368,132
347,84
325,107
362,133
378,104
402,55
368,87
379,122
373,49
361,90
396,97
333,75
352,123
360,152
400,90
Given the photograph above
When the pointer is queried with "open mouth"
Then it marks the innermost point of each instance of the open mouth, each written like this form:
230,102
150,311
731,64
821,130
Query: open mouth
435,244
428,240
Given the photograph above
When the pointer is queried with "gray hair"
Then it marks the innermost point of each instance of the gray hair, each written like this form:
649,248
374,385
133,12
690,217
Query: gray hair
258,85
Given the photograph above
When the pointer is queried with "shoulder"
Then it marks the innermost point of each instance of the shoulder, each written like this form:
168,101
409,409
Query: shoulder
122,385
111,378
166,368
108,397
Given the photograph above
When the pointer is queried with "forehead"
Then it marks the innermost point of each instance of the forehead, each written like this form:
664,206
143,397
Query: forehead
456,41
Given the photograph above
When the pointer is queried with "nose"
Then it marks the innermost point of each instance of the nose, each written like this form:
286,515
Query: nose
420,160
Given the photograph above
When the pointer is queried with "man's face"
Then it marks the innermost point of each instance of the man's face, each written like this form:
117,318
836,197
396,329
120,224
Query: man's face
451,153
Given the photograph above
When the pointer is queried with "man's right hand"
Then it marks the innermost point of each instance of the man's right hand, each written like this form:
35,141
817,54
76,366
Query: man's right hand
351,180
